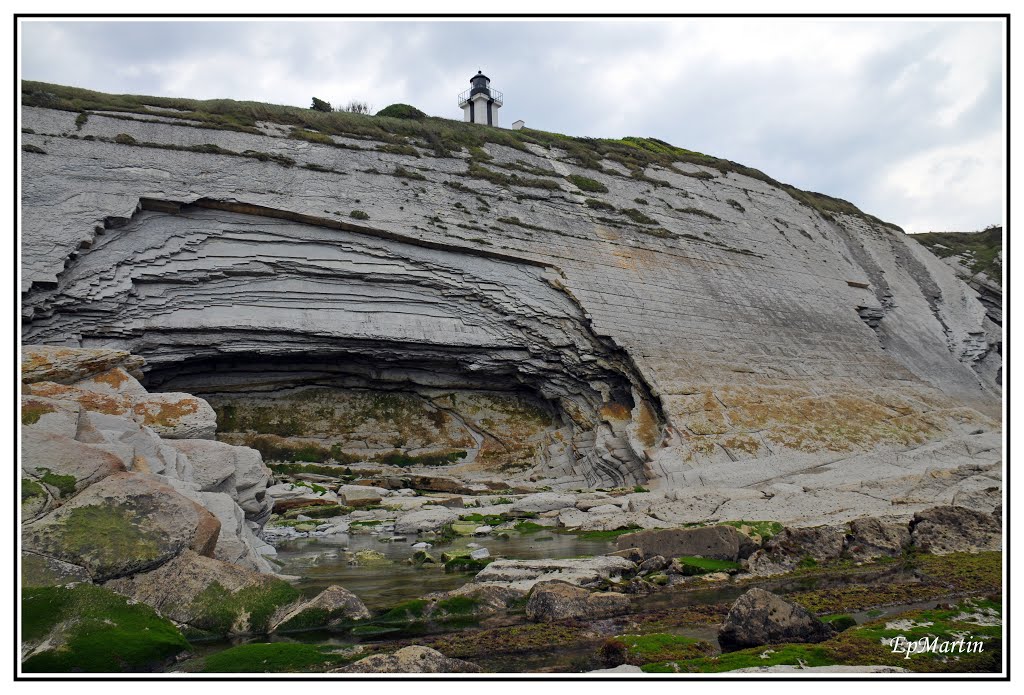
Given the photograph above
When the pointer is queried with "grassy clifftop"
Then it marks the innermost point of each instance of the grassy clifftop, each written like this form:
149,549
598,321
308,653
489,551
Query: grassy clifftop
982,251
443,136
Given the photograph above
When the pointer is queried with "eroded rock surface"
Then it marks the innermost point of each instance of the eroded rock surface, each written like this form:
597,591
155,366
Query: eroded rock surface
731,336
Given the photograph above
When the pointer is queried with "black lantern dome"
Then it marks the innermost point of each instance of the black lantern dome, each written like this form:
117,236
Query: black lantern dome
481,84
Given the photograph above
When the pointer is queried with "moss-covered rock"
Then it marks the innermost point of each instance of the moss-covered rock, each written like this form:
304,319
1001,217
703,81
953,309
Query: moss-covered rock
279,657
124,524
638,650
211,597
91,629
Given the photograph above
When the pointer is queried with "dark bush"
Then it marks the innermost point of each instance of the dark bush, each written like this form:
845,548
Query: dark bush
321,105
402,111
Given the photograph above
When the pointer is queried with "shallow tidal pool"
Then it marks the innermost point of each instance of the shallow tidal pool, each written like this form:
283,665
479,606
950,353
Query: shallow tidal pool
321,562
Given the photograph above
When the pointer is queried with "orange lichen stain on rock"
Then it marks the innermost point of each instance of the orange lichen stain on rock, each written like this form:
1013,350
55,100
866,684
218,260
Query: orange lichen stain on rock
646,425
614,411
89,400
742,442
32,410
114,378
166,414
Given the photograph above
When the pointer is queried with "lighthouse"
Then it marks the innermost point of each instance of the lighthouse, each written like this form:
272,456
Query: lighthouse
480,103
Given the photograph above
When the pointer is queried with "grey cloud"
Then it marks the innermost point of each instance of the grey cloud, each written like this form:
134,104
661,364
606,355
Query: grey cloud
801,116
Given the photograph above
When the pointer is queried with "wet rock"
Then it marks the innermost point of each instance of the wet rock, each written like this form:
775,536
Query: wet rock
360,495
632,554
333,606
653,564
760,617
792,545
871,537
431,518
414,659
544,502
524,574
211,596
125,523
716,542
557,600
943,530
287,496
370,558
41,570
480,554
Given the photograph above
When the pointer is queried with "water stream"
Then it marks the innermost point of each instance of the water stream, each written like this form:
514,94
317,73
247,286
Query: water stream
321,562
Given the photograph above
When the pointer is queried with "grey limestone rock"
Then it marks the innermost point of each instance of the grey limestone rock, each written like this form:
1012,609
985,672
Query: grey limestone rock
414,659
717,542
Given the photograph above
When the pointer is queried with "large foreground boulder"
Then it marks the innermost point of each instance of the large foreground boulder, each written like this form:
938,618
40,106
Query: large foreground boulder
86,628
125,523
760,617
943,530
715,542
413,659
557,600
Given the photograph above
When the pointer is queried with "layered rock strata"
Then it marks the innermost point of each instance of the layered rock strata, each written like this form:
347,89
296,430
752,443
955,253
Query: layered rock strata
728,325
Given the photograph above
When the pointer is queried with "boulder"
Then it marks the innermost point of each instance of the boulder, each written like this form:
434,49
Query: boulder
171,415
236,542
211,596
176,415
544,502
287,496
414,659
759,617
431,518
40,570
124,524
556,600
333,606
653,564
944,530
67,365
360,495
715,542
112,382
236,470
64,465
792,545
139,447
524,574
871,537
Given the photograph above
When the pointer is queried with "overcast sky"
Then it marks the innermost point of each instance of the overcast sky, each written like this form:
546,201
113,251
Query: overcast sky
903,118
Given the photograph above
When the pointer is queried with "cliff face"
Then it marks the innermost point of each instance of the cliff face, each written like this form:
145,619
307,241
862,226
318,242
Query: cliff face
489,311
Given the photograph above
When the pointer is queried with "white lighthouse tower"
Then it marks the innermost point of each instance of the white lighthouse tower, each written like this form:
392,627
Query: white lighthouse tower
480,103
